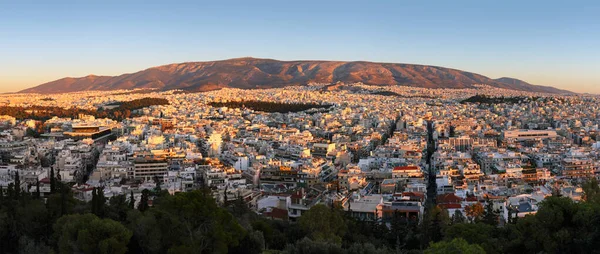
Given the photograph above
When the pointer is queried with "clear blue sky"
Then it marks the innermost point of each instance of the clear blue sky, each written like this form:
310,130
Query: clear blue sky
543,42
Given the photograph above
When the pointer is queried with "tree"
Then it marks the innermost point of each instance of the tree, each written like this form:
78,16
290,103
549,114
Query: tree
86,233
307,245
474,211
458,217
17,185
253,242
98,202
591,191
225,199
323,224
435,221
118,207
490,216
203,226
157,182
131,201
143,205
52,181
37,189
94,201
456,246
485,235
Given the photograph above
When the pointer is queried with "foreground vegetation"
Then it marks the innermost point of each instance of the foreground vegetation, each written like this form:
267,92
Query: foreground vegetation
193,223
270,107
44,113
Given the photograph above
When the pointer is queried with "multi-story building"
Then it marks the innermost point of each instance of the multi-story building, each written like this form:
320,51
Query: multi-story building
146,168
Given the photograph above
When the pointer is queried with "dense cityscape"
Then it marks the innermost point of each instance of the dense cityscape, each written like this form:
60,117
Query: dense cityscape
322,168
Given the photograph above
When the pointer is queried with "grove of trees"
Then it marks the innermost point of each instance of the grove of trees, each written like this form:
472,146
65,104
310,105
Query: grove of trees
271,107
193,222
43,113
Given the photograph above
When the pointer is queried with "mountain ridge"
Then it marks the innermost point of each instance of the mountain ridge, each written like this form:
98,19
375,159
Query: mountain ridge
248,73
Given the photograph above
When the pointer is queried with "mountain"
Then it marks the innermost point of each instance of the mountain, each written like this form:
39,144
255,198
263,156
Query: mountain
522,85
250,73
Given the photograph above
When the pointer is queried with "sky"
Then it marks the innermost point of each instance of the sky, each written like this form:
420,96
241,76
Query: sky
554,43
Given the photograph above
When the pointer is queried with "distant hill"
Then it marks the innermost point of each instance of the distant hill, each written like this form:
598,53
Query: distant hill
248,73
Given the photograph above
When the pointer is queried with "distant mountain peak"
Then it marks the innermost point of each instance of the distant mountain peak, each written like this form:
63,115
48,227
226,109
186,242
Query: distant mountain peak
249,72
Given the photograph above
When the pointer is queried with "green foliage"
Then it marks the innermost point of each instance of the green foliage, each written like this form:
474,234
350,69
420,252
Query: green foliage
266,106
207,226
252,243
560,226
44,113
307,245
98,202
323,223
194,223
117,208
487,236
434,223
458,217
143,205
87,233
456,246
484,99
490,216
591,191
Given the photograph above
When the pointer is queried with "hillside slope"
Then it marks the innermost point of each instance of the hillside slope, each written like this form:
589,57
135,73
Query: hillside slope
249,73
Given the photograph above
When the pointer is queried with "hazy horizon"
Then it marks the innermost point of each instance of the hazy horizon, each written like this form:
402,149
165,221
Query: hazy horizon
543,43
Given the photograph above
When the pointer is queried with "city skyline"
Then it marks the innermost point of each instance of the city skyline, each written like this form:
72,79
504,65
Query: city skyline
543,43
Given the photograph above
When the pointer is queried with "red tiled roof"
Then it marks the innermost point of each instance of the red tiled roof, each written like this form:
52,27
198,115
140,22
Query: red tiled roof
406,168
448,199
413,194
473,198
277,213
450,206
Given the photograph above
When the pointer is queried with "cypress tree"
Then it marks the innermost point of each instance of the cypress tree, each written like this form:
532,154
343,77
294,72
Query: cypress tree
157,182
132,201
225,199
100,202
143,206
37,188
490,217
17,185
94,201
52,181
